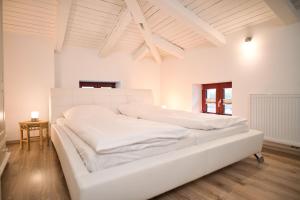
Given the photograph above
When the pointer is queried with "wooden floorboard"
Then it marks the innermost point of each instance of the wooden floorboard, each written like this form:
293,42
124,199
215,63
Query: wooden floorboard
37,175
34,174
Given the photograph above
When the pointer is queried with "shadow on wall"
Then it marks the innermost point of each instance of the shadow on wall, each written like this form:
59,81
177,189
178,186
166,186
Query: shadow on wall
196,97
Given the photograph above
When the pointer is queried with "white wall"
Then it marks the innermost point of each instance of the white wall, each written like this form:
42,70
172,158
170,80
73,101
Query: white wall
29,71
1,79
29,74
32,68
273,67
74,64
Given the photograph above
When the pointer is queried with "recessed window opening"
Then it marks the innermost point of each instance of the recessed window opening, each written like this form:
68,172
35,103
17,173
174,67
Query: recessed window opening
217,98
98,84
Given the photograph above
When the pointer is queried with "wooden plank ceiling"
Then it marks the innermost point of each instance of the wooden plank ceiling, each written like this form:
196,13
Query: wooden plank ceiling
37,17
91,21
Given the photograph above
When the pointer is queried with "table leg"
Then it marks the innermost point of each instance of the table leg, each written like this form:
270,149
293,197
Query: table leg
28,139
41,137
48,136
21,137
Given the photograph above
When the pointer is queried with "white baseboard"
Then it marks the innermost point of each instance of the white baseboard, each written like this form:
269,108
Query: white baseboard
286,142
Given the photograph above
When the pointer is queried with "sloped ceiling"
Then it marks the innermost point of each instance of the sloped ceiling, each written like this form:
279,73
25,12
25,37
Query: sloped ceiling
37,17
91,22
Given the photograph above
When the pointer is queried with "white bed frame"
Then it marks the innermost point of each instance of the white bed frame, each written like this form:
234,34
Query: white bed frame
144,178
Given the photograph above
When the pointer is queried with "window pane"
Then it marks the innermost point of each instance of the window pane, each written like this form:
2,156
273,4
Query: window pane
227,101
211,107
211,100
211,93
228,109
227,93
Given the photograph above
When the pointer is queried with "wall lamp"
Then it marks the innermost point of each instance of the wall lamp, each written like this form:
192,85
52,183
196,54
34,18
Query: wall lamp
248,39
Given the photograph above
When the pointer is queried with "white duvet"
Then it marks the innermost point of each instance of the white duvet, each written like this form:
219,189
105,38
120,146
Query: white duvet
112,133
97,161
185,119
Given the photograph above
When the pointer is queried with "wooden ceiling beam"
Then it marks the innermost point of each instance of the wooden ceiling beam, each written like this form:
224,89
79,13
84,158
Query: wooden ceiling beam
139,19
124,20
175,9
63,13
168,47
284,10
140,53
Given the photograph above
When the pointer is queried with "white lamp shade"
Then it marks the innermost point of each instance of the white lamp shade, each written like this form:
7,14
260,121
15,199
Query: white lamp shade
35,115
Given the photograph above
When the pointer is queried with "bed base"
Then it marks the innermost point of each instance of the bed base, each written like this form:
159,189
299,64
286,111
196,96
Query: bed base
146,178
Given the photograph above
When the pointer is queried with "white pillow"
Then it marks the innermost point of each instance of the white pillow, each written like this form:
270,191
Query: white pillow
88,111
136,110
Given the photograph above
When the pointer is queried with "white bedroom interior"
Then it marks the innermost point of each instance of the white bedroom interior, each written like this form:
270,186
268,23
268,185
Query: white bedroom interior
159,52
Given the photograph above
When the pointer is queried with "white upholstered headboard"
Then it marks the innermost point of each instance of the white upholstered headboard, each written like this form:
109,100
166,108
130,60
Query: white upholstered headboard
62,99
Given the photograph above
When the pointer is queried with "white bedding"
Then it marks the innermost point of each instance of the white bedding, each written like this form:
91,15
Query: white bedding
112,133
201,121
203,136
95,161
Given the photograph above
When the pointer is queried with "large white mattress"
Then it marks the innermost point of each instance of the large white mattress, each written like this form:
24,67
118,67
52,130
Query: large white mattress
95,162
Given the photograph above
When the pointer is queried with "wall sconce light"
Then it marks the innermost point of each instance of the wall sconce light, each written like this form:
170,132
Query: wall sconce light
248,39
249,49
164,107
35,116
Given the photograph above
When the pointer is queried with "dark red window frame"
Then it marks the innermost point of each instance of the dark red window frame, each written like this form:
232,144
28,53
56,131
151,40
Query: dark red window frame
96,84
219,95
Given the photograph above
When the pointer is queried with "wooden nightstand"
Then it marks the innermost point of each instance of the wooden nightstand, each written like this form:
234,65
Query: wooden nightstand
28,126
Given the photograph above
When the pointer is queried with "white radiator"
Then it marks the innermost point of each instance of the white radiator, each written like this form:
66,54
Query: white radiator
278,116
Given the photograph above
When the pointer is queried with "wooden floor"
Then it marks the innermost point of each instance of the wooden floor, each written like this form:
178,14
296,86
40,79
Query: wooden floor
37,175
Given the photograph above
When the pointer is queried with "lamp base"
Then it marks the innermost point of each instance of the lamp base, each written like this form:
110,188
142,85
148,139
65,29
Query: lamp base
34,119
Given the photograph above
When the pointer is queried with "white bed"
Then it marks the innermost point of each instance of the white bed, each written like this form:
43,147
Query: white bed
148,177
94,161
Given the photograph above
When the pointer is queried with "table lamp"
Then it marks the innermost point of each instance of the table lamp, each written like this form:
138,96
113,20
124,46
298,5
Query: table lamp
34,116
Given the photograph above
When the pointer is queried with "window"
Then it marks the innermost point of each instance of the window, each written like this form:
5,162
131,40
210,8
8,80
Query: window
96,84
217,98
